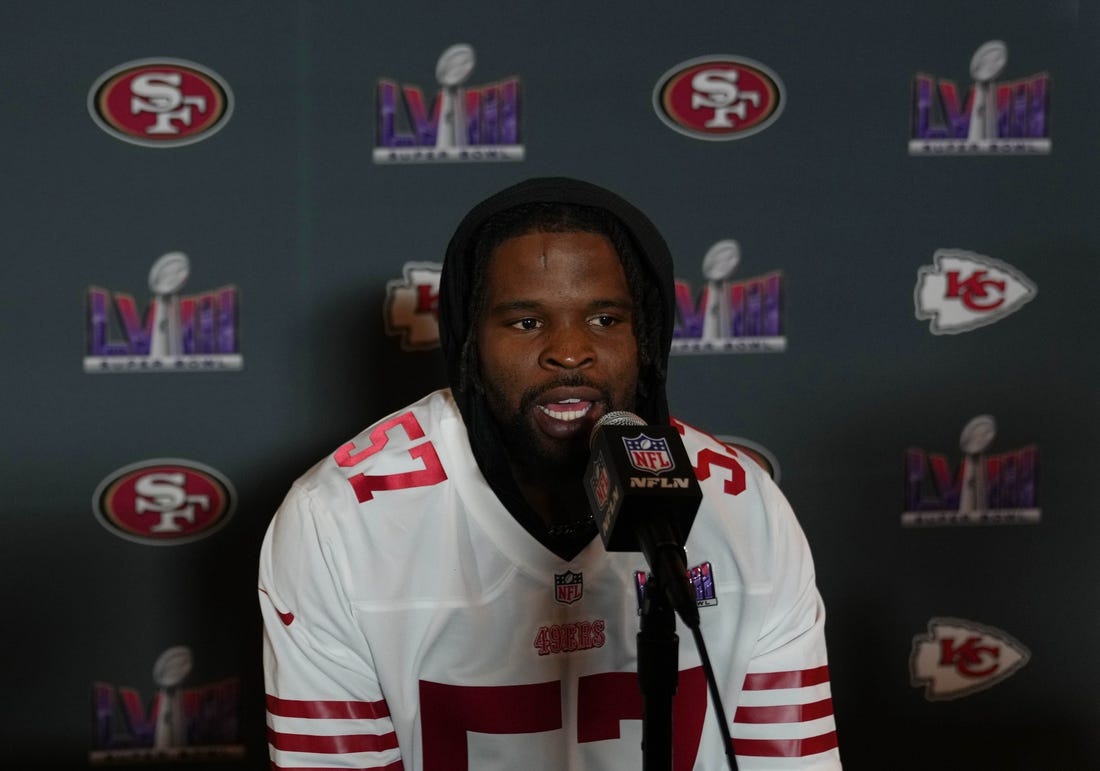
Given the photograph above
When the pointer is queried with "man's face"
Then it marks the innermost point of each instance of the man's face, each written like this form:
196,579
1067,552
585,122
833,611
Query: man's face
557,346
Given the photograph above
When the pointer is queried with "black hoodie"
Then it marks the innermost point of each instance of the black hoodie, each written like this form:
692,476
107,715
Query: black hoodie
456,322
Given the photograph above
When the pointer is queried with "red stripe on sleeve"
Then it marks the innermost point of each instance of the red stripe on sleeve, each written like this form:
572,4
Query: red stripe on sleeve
394,766
766,681
332,745
785,748
788,713
327,710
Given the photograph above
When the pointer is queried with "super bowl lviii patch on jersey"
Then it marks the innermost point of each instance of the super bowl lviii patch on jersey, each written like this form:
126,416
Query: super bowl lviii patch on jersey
702,581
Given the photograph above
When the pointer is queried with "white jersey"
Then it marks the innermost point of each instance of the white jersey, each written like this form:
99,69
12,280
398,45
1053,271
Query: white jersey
411,623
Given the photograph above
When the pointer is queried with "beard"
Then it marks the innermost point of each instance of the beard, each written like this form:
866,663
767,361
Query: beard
534,456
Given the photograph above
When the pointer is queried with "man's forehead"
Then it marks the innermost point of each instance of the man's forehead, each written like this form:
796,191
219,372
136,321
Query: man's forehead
576,251
571,233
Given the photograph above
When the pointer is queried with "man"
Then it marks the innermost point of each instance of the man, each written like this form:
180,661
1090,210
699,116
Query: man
434,595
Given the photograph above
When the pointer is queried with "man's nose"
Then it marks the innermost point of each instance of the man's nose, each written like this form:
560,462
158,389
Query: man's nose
568,347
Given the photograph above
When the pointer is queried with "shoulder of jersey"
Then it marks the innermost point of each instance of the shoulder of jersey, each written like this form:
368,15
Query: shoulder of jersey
393,445
403,429
696,440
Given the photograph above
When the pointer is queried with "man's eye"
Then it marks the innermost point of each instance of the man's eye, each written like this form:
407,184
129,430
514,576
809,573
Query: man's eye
526,324
604,320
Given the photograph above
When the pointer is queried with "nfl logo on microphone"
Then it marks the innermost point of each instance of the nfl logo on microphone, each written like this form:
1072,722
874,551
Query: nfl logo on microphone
648,454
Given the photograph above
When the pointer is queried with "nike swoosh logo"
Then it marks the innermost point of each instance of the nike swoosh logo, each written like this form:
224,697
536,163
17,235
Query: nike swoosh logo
287,618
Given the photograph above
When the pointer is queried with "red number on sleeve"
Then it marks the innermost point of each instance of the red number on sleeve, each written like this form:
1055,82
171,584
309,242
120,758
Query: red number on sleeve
735,485
365,485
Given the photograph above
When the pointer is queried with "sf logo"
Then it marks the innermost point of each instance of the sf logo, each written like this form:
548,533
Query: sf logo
159,93
717,89
976,292
970,658
164,494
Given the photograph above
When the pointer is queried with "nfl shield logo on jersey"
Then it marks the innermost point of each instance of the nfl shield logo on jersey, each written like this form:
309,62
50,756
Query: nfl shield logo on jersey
648,454
568,587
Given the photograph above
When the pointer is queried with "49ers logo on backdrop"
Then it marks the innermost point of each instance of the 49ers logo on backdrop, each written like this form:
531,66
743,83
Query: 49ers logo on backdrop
719,97
958,657
160,102
964,290
164,501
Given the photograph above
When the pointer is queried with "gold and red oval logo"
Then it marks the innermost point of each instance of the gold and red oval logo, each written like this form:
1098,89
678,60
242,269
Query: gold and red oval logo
165,501
719,97
160,102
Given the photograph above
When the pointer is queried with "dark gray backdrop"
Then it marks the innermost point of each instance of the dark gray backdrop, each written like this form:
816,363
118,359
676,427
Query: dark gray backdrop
286,204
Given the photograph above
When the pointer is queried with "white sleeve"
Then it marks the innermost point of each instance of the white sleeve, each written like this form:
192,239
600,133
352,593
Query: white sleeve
325,708
785,716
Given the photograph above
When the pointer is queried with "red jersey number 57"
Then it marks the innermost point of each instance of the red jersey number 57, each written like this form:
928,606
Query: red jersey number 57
429,473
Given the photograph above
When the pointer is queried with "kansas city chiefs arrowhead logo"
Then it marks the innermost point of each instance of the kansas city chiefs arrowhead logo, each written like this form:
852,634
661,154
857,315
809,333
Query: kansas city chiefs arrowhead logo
958,657
412,306
964,290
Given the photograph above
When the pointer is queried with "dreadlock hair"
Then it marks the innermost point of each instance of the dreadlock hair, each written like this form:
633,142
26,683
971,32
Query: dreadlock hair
548,217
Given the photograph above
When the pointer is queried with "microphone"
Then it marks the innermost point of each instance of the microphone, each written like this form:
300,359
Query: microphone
644,496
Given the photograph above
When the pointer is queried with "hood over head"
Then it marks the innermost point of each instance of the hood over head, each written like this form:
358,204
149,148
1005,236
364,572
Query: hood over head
458,311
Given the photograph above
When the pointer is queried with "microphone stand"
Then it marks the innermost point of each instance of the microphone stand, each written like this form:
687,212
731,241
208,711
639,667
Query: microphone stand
658,674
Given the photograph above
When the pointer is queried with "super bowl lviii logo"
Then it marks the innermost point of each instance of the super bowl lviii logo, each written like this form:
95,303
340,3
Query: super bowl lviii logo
729,316
964,290
985,489
702,583
164,501
160,102
958,657
996,117
178,723
718,98
179,333
463,123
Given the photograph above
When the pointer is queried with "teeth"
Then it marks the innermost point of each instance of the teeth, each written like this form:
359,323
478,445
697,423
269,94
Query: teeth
566,414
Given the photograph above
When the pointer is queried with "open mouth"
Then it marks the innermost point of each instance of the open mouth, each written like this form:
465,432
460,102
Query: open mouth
567,409
566,412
